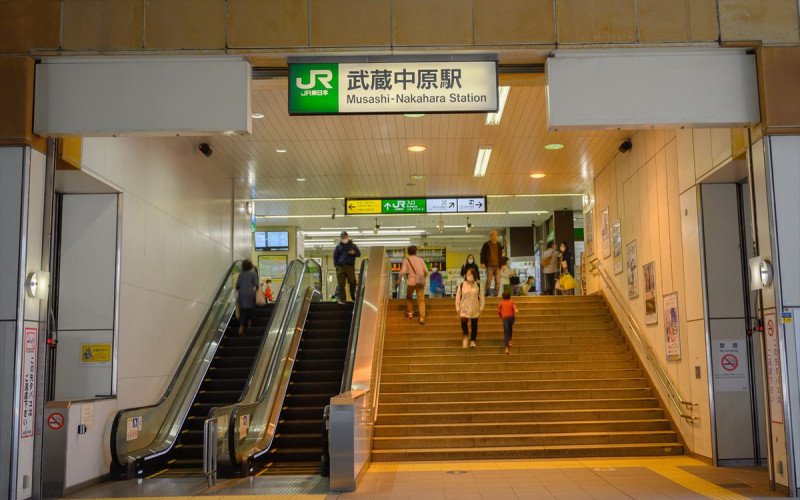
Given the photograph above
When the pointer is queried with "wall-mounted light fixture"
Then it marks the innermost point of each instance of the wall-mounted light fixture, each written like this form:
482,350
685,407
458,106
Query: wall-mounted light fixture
37,284
760,273
248,207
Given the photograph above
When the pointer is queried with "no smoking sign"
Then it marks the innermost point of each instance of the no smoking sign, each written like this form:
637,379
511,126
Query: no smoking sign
729,362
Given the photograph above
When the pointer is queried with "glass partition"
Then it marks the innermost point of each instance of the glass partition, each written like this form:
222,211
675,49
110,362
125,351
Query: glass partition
352,342
151,430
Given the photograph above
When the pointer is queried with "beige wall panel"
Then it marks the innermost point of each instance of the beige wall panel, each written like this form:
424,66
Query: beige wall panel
514,21
691,255
337,23
32,24
701,430
721,147
702,152
596,21
172,24
677,21
779,74
274,23
771,21
422,22
105,24
685,151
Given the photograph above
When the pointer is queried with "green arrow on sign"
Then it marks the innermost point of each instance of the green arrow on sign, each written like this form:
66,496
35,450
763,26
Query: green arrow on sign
403,206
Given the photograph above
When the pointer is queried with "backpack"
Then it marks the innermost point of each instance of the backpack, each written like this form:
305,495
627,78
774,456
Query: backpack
420,277
461,289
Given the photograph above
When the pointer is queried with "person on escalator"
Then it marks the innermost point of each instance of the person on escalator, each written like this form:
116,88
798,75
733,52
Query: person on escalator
344,258
268,291
246,286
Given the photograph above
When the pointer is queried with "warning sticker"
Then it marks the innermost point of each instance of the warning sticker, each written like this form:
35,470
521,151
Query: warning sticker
95,354
730,365
55,421
774,378
28,402
132,428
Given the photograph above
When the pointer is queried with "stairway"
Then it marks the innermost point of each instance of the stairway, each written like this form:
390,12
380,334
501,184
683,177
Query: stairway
316,377
223,384
571,387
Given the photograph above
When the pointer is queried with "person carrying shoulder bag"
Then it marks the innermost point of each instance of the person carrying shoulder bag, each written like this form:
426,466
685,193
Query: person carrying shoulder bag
469,304
417,273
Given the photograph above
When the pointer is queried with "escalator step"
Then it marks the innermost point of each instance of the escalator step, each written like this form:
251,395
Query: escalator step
319,364
297,388
320,353
240,351
220,397
317,376
211,384
326,333
228,372
234,362
302,425
191,436
305,440
308,343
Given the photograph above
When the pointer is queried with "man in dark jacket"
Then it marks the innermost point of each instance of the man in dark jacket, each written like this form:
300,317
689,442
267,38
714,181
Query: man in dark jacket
344,258
491,253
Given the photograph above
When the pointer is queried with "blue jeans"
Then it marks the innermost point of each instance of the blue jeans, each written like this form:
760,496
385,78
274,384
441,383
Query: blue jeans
508,324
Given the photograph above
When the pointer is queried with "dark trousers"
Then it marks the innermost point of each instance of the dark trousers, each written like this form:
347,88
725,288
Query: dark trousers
508,324
346,274
474,322
550,283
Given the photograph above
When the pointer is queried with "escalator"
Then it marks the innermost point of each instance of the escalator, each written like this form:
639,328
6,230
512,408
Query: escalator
316,376
223,384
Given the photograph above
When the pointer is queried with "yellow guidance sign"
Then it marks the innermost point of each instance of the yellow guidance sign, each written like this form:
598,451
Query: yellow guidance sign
362,206
96,354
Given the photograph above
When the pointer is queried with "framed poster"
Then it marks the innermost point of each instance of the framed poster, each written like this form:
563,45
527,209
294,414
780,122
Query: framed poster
605,233
633,272
616,242
650,311
272,267
672,327
588,234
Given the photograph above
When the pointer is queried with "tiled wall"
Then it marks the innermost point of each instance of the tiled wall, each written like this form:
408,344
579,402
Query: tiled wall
652,190
176,246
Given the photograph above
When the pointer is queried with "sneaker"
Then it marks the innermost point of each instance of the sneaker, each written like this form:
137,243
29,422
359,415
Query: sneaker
510,343
472,343
507,351
409,315
465,342
421,320
341,302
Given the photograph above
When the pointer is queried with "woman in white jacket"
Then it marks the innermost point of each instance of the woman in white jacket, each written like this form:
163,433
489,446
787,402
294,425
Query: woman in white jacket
469,304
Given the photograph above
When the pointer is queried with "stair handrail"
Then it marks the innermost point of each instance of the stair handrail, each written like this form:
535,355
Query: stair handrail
650,355
185,379
352,338
228,416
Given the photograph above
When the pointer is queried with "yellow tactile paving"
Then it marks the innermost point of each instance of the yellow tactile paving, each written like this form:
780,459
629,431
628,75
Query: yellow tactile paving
696,484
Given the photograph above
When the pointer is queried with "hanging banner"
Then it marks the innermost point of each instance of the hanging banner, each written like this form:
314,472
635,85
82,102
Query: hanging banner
28,400
774,377
378,206
392,87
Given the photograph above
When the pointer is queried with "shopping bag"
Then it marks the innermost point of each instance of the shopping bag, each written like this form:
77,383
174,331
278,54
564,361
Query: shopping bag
567,282
260,299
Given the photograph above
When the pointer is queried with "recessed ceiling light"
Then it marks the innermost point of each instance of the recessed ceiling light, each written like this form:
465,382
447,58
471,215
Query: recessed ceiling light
418,177
553,146
414,115
482,161
301,179
537,176
416,148
257,116
502,95
280,150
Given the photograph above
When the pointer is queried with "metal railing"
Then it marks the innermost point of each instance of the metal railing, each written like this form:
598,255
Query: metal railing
650,356
210,453
352,339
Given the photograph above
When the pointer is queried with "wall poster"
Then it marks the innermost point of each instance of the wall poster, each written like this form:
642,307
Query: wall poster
774,376
616,240
650,311
633,272
672,327
729,360
588,235
272,267
605,233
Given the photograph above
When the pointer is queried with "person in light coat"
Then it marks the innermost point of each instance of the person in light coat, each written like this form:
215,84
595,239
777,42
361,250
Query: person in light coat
469,304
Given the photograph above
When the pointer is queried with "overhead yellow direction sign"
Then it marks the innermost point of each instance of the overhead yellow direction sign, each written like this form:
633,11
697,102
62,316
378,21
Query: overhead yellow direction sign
362,206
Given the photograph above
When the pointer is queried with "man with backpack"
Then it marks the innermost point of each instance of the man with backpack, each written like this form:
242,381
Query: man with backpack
344,258
417,272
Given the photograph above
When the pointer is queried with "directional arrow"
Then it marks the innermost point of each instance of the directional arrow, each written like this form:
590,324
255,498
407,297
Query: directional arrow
451,205
479,204
387,205
351,206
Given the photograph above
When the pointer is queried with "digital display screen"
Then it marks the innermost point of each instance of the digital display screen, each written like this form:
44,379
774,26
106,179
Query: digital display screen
272,241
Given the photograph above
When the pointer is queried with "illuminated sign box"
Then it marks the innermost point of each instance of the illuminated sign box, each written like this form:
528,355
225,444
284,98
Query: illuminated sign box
394,206
393,87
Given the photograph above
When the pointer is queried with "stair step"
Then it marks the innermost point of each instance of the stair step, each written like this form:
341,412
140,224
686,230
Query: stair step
470,385
519,416
517,404
504,375
446,429
504,395
509,363
514,440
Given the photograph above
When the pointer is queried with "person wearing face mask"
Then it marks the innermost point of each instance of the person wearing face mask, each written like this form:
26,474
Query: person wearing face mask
469,304
491,254
470,264
437,282
344,258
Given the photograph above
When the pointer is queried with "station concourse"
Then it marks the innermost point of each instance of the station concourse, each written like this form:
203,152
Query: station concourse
629,172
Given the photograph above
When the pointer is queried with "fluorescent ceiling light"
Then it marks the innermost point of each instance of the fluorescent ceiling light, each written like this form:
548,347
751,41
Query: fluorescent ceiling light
418,177
280,150
301,179
298,199
482,161
257,116
416,148
554,146
537,175
547,195
502,95
526,212
414,115
367,232
337,229
394,227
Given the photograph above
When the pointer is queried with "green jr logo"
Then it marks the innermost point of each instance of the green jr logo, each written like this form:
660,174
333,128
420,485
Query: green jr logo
313,89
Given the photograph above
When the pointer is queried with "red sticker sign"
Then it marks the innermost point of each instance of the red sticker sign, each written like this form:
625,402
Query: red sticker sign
729,362
55,421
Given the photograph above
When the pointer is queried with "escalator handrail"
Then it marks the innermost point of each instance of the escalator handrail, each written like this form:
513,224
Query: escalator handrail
352,339
261,345
179,371
275,411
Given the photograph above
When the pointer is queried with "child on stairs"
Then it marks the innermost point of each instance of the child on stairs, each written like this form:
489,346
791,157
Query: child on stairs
507,310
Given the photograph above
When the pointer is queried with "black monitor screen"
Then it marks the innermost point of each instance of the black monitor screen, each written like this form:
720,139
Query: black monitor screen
272,241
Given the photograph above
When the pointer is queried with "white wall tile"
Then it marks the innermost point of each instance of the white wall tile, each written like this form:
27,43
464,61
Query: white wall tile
154,243
721,146
685,150
702,151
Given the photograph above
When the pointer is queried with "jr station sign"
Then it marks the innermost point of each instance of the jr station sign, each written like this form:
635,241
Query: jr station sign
378,206
393,87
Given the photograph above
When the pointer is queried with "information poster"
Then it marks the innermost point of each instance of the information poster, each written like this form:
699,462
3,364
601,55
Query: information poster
28,400
588,235
95,354
729,360
272,267
605,233
616,240
672,327
633,271
774,377
650,311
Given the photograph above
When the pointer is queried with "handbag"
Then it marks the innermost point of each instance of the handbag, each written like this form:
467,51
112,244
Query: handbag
260,299
514,280
567,282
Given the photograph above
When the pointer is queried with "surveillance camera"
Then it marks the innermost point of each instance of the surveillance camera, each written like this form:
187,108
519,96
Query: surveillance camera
333,214
206,149
625,146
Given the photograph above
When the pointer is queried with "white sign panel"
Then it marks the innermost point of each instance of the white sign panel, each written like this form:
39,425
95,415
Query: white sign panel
774,378
442,205
393,87
472,204
729,360
27,412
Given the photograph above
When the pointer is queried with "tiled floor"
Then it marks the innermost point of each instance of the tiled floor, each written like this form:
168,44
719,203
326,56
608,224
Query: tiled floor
677,478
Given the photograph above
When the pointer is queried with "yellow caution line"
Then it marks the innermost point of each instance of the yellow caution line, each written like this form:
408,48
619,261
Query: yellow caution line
531,464
696,484
156,474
